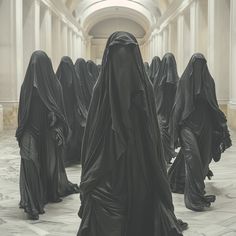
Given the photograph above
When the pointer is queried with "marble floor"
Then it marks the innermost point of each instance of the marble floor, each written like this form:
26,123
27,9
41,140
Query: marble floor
61,218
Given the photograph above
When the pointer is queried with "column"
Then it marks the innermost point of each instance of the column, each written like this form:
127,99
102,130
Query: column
187,53
79,47
46,30
1,118
69,42
11,53
156,44
74,46
165,48
56,39
149,50
64,33
199,26
173,38
180,43
31,26
159,45
232,103
218,48
89,47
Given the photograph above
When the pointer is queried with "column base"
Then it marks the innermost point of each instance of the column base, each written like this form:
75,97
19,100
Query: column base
232,116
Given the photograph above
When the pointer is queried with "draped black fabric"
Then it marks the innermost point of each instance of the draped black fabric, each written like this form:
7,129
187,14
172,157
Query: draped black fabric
124,185
154,67
86,82
40,75
92,70
165,83
201,128
74,111
147,68
42,131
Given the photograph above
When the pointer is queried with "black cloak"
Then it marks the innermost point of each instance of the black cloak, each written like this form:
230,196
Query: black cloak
200,127
42,131
74,111
124,185
189,87
154,67
165,83
147,68
92,70
86,82
40,75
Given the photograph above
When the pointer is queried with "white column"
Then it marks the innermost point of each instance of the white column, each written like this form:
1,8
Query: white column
88,53
1,118
218,47
156,44
74,46
193,33
46,31
56,41
159,45
165,41
199,26
69,42
18,44
79,47
11,54
149,50
187,53
153,46
232,103
173,38
180,42
64,39
84,46
31,26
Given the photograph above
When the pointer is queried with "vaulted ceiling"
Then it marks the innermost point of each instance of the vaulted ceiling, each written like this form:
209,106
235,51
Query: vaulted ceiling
91,14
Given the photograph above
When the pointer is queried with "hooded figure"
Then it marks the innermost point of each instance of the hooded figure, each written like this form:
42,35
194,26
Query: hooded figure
86,82
154,67
124,184
92,70
165,83
42,131
74,110
201,128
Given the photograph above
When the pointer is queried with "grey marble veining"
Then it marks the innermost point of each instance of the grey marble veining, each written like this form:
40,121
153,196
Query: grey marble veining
61,218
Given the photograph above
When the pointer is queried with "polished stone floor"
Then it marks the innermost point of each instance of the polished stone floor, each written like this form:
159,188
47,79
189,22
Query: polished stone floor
61,218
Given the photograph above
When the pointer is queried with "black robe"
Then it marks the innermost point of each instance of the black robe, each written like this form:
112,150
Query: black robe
165,83
154,67
124,184
200,127
92,70
86,82
74,112
42,131
147,68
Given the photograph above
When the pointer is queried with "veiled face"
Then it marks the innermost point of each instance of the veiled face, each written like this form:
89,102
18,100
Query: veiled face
198,66
122,60
121,55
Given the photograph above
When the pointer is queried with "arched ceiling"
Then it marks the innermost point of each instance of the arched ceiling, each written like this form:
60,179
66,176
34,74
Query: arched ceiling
91,12
105,28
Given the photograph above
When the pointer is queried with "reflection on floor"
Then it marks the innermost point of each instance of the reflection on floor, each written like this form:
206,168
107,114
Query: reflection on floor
61,218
